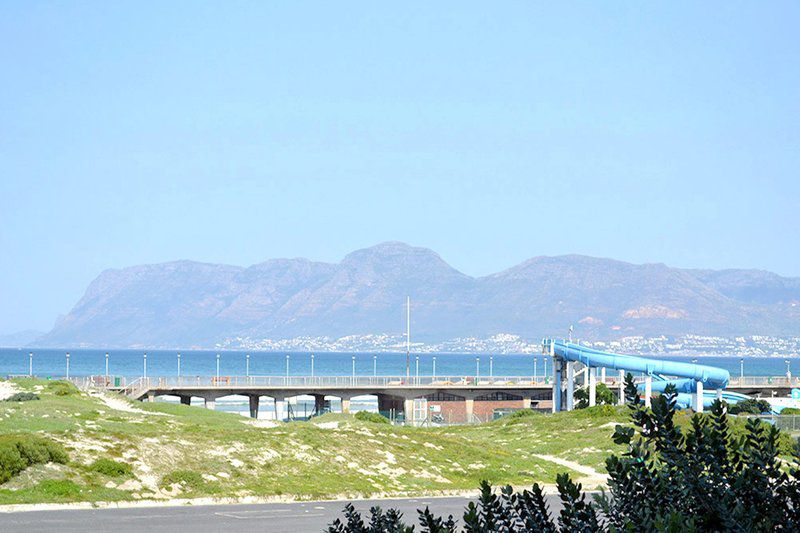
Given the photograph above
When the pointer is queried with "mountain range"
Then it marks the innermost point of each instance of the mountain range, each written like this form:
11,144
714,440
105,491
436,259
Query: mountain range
191,304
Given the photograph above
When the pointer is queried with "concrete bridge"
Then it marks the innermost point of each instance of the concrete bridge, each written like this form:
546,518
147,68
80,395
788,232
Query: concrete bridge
457,399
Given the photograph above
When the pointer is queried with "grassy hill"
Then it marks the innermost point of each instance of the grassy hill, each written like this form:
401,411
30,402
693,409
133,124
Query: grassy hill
119,450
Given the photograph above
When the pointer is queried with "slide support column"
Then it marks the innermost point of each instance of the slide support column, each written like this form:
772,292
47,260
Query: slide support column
280,408
592,386
570,386
622,387
556,385
698,398
648,390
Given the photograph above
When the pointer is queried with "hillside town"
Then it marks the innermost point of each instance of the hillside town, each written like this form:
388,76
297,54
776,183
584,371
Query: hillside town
505,343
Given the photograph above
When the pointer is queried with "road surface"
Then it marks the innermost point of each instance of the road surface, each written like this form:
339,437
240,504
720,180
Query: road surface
271,517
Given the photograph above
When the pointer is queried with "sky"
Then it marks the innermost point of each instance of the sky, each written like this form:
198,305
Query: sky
491,132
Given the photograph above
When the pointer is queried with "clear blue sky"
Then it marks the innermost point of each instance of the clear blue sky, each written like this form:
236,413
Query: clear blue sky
491,132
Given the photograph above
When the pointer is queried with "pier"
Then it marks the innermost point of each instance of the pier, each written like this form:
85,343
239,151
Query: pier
416,400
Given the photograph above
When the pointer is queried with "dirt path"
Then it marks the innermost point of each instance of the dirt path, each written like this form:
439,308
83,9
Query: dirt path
590,475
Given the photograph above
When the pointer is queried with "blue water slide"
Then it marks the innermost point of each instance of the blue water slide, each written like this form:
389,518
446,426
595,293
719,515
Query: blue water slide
711,376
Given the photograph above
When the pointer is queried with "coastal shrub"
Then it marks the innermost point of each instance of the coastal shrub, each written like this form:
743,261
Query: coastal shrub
521,414
703,478
18,452
111,468
375,418
62,388
790,411
751,406
22,397
603,396
187,478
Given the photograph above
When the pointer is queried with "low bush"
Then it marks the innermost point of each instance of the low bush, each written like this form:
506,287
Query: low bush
522,413
751,406
188,478
790,411
62,388
111,468
59,489
18,452
375,418
22,397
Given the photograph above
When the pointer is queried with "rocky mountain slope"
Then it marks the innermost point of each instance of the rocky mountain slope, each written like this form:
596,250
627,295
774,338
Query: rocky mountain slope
186,303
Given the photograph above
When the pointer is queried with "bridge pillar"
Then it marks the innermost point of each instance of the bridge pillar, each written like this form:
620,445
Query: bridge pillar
254,401
698,398
408,410
648,390
151,397
526,402
570,385
469,409
209,403
319,404
603,375
186,400
280,408
346,405
592,386
621,399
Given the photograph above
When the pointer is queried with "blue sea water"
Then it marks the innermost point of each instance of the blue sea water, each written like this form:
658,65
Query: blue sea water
130,363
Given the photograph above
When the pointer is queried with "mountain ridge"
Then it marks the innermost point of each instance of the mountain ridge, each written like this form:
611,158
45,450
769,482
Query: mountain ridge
199,304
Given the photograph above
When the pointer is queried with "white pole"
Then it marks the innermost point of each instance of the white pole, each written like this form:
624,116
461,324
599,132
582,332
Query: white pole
217,368
67,365
354,368
534,369
434,366
477,367
144,365
247,365
491,366
287,365
741,370
106,366
312,365
417,371
374,365
179,364
408,337
30,364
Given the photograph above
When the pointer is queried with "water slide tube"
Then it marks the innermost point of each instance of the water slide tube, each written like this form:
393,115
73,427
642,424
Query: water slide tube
689,374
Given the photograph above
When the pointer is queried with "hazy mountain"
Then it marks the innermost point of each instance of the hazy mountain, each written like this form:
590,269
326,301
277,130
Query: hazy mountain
194,304
19,338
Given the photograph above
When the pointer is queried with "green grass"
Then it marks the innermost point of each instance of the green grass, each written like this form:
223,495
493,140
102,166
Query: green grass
163,450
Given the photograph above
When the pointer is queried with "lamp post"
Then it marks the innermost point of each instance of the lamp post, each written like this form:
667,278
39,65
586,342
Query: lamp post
217,368
144,365
179,366
30,364
287,366
477,367
374,366
434,367
354,368
491,366
534,368
106,366
741,370
788,370
544,359
247,365
312,365
416,372
67,365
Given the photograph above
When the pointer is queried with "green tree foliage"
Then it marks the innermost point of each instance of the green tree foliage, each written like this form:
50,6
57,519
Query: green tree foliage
703,479
603,396
375,418
751,406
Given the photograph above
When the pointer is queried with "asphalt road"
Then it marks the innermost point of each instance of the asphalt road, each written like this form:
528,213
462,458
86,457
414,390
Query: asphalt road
272,517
